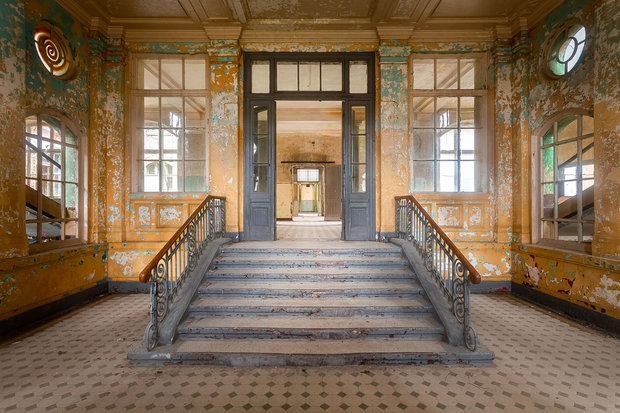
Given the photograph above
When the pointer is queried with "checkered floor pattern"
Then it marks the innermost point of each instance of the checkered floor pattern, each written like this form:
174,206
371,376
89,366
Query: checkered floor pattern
305,230
543,363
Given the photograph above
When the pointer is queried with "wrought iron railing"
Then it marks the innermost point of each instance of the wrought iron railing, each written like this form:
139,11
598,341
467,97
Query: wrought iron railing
449,268
170,268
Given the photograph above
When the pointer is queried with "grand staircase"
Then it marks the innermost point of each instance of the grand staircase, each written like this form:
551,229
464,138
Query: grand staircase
308,303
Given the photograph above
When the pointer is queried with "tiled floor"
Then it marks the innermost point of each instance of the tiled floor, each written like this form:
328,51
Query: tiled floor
306,230
544,363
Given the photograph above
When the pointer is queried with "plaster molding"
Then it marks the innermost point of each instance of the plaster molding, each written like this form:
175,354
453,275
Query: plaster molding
230,31
116,32
393,32
328,36
76,10
158,35
442,35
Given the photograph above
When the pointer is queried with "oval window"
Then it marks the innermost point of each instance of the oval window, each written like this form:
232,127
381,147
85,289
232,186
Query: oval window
566,49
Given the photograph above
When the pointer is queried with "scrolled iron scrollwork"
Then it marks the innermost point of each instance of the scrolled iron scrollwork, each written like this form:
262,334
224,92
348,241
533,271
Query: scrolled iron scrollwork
161,289
428,248
471,338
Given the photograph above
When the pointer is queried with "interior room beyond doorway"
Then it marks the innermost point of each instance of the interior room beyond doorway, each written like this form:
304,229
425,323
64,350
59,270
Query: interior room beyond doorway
308,169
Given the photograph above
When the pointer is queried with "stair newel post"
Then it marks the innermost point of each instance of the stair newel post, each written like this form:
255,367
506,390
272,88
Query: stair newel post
152,330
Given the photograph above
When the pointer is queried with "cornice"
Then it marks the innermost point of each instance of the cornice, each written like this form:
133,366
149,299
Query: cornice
456,35
159,35
394,32
328,36
231,31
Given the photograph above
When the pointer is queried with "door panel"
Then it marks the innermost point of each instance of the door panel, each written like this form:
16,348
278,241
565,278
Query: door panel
333,193
358,145
259,217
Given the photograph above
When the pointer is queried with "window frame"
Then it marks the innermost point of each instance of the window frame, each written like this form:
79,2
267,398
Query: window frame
82,178
485,130
536,185
137,122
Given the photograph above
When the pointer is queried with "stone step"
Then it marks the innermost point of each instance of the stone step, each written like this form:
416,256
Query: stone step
423,326
294,289
369,252
310,306
334,261
360,274
310,352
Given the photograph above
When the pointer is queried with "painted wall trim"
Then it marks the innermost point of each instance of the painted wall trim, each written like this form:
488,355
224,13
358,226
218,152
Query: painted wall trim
566,308
128,287
20,323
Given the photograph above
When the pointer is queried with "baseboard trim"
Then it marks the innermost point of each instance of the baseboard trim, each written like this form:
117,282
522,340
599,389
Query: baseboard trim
129,287
574,311
21,323
491,287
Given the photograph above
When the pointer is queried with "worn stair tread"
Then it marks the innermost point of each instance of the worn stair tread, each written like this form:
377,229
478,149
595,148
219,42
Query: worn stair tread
231,252
327,272
295,261
425,321
318,286
310,302
311,245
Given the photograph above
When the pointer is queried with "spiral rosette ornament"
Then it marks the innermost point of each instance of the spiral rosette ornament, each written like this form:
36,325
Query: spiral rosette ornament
471,338
54,51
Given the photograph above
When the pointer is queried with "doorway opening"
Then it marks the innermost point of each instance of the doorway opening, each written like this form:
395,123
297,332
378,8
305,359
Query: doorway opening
308,169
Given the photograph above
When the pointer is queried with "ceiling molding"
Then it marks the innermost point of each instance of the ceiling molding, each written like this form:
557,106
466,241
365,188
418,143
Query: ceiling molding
461,21
439,35
383,9
159,35
392,32
231,31
423,10
76,10
329,36
541,11
238,12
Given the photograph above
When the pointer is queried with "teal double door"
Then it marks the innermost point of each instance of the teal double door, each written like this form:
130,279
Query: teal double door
347,78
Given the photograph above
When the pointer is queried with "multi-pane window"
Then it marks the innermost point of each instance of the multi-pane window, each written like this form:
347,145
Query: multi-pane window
308,175
567,180
449,143
52,181
170,119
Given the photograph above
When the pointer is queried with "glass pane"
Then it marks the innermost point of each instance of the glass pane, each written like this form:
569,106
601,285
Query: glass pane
568,231
32,183
150,176
171,177
586,184
547,172
195,176
171,74
548,230
32,232
567,158
195,144
548,137
51,231
51,161
171,112
260,77
51,128
32,160
261,118
468,176
447,74
471,74
423,144
447,176
423,176
446,112
150,115
261,149
446,144
470,111
31,125
359,120
467,144
423,74
309,76
286,73
71,229
358,77
359,148
70,137
195,112
148,74
423,108
359,178
587,232
151,144
71,200
567,128
548,200
172,144
331,76
71,164
260,178
195,74
587,125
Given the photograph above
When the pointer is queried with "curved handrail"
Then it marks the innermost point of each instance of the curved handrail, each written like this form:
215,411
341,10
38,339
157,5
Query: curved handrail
145,274
474,275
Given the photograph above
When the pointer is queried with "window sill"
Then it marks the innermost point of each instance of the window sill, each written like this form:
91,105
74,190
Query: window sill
572,246
56,246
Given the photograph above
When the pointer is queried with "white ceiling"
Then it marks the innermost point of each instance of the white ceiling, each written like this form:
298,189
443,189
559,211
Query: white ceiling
401,19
